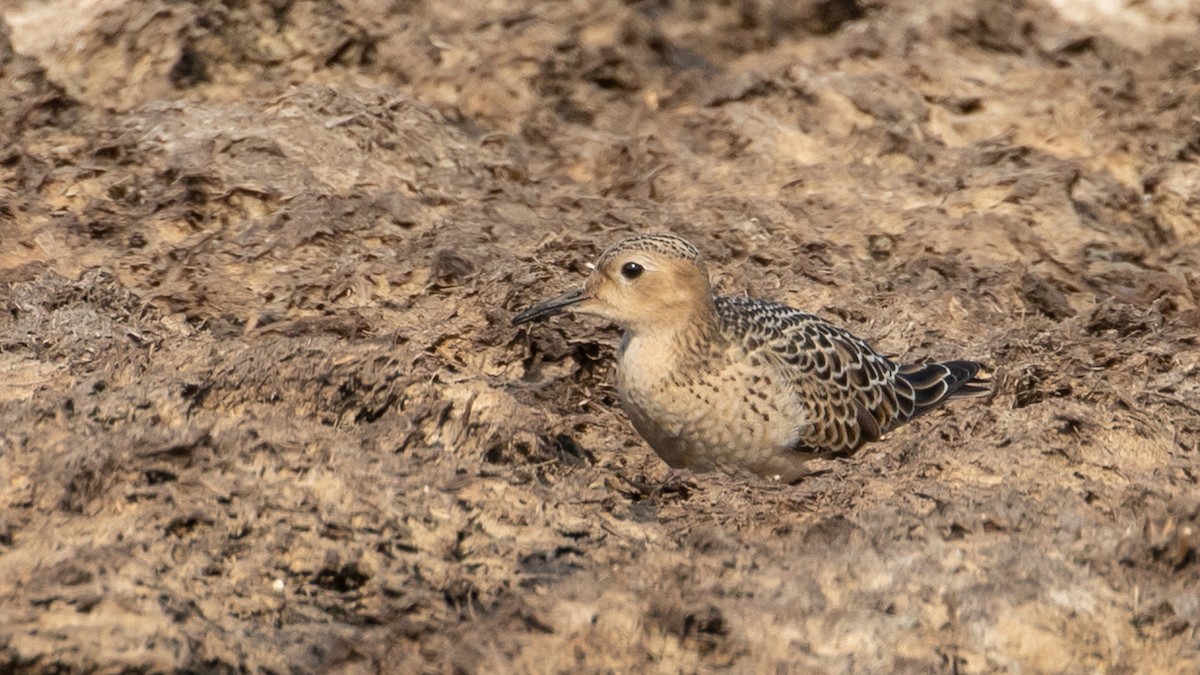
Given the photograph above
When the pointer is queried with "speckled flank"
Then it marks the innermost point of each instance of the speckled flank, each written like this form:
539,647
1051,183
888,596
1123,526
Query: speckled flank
740,384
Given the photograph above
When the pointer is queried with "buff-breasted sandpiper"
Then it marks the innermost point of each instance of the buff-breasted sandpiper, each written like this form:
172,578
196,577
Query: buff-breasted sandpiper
739,384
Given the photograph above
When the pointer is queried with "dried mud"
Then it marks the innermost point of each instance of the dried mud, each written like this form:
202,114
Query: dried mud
262,408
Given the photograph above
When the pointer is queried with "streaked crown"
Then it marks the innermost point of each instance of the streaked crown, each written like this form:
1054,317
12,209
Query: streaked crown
667,245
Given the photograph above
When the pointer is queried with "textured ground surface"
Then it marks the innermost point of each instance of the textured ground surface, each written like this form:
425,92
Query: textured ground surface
261,408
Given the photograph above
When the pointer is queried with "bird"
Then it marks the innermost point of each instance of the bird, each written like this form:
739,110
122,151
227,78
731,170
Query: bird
738,384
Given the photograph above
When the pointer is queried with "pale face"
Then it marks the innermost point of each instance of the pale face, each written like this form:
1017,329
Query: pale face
638,289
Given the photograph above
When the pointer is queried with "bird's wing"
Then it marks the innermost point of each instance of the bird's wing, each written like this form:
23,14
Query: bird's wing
846,387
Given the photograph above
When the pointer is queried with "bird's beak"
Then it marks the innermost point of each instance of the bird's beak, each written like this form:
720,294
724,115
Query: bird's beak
550,307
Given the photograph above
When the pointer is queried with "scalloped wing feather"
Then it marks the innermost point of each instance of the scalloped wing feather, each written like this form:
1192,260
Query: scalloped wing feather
852,393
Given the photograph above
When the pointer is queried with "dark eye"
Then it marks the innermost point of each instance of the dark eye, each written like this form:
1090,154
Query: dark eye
632,270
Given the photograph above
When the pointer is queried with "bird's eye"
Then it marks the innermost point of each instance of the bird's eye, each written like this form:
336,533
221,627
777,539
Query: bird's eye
632,270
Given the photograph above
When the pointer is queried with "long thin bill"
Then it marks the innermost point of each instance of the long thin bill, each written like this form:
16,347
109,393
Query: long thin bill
550,307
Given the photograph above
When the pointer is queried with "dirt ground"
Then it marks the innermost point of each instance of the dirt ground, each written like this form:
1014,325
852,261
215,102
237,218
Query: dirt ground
262,409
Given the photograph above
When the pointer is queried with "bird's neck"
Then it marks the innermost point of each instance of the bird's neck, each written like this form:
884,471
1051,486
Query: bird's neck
667,345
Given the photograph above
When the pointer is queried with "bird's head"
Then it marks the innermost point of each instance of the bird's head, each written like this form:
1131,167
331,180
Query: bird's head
642,283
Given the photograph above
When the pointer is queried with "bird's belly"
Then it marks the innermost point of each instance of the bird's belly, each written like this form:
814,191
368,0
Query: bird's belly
727,419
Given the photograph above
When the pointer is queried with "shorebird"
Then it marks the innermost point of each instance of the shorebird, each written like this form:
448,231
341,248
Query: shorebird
739,384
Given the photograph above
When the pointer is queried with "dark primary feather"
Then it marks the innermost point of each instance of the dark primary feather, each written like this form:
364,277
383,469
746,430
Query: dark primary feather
853,393
935,383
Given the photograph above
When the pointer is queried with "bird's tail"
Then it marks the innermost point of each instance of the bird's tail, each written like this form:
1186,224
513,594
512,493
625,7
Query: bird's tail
932,384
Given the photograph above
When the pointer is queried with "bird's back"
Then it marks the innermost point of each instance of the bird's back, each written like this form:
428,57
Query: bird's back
850,393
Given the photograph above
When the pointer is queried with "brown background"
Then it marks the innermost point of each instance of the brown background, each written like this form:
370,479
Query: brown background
261,407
